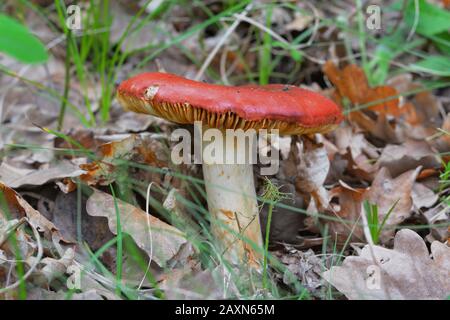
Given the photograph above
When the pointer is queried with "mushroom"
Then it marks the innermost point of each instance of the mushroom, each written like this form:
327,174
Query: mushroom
290,109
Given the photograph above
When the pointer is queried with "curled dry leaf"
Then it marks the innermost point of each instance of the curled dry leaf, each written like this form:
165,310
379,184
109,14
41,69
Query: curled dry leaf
406,272
52,268
438,219
385,192
407,156
312,166
348,212
15,177
165,240
346,138
307,165
138,148
358,153
18,207
305,266
422,196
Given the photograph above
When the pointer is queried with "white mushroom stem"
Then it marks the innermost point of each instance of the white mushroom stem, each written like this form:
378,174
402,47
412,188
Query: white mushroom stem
233,205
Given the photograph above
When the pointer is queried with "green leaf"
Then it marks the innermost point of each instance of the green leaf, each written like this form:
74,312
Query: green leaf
296,55
432,19
442,41
437,65
17,41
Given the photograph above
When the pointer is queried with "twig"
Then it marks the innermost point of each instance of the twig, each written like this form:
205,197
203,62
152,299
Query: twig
222,40
147,204
62,111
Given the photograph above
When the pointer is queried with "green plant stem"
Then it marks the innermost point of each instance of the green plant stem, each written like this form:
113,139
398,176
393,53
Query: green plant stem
266,245
62,110
20,268
119,244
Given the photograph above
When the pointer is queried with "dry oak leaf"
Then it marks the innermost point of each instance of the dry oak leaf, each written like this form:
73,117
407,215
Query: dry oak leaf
407,156
348,213
385,192
139,148
351,82
165,241
380,127
19,208
406,272
15,177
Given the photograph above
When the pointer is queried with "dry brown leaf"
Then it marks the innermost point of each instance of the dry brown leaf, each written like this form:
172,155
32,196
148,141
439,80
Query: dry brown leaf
422,196
442,143
19,208
305,267
407,156
438,218
68,213
312,166
349,212
405,272
52,268
307,165
16,177
346,138
380,127
199,284
165,239
138,148
386,192
37,293
351,82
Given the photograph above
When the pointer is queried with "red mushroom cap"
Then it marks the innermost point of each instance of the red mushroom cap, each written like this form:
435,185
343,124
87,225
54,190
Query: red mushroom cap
290,109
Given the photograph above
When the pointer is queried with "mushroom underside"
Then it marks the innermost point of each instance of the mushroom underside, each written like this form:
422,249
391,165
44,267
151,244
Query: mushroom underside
185,113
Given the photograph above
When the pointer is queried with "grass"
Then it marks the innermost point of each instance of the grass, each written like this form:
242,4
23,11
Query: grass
19,261
90,57
272,196
374,225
